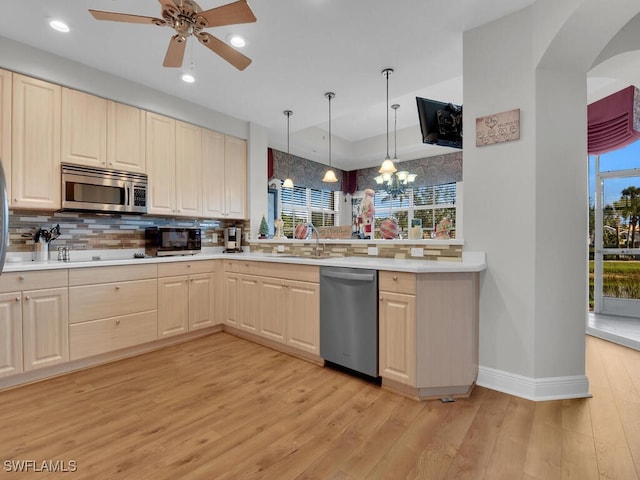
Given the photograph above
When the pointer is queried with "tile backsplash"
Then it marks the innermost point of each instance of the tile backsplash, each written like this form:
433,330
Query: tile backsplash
91,231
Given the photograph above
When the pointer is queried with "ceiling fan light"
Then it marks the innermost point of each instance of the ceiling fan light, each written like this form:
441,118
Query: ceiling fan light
59,26
330,177
387,167
288,183
237,41
187,77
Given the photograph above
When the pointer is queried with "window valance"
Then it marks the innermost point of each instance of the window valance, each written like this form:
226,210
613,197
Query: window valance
614,121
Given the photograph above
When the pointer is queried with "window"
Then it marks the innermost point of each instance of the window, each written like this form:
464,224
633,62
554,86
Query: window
299,204
429,204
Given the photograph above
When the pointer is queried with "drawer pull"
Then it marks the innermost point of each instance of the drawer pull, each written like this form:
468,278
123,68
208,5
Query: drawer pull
188,265
27,298
117,287
21,277
118,322
395,278
17,299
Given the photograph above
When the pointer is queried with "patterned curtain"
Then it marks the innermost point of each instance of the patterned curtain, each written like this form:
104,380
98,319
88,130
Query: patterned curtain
614,121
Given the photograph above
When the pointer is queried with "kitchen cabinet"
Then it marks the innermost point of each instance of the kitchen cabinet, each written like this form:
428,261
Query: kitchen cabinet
428,324
84,128
112,308
302,316
10,334
5,126
249,308
35,144
224,175
33,305
174,150
272,296
186,293
126,134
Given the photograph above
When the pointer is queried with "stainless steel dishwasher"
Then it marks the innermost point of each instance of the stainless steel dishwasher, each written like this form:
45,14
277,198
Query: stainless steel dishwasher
349,318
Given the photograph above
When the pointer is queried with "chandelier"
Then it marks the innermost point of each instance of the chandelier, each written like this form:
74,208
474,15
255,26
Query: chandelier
393,182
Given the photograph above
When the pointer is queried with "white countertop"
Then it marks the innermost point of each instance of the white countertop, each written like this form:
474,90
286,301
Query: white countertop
471,261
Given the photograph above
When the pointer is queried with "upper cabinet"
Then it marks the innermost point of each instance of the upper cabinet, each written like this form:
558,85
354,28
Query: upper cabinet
5,126
35,167
84,128
188,169
161,152
126,127
224,175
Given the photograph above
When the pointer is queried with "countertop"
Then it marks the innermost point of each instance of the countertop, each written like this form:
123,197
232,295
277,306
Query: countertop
471,261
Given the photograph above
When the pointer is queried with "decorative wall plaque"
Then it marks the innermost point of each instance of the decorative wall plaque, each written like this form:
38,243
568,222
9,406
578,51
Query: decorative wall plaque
498,128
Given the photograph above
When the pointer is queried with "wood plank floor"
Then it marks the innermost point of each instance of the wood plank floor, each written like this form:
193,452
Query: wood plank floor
224,408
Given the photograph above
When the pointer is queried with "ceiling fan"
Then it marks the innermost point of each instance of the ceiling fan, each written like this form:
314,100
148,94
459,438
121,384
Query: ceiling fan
187,18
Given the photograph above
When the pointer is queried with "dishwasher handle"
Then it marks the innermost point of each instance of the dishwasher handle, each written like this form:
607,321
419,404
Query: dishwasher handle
362,277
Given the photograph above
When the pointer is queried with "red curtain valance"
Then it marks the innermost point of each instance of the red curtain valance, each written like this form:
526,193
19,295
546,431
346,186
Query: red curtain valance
614,121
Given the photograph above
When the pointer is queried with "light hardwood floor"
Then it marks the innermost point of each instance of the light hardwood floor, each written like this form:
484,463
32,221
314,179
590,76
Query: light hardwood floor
224,408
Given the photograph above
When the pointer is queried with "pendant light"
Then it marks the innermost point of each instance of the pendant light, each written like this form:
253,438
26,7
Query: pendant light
288,183
330,176
387,167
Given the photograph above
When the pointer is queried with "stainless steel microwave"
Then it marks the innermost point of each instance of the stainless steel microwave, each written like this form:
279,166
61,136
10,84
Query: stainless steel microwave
102,190
163,241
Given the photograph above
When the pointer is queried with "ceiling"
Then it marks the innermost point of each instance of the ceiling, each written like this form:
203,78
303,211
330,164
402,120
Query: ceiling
300,50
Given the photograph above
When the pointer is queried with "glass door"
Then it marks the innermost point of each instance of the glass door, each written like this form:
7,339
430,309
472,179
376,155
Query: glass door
617,242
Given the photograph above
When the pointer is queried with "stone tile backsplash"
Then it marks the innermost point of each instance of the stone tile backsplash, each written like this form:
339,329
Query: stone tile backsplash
91,231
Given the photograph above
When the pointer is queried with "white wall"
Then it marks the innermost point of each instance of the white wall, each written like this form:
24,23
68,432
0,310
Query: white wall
257,177
526,201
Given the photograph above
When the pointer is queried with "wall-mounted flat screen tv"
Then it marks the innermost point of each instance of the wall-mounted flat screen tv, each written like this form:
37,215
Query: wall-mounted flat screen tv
440,122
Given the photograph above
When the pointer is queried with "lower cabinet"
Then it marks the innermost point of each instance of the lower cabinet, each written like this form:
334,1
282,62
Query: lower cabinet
397,344
279,302
186,293
33,320
112,308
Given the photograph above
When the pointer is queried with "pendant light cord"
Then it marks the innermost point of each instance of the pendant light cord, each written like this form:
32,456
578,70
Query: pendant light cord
387,72
329,96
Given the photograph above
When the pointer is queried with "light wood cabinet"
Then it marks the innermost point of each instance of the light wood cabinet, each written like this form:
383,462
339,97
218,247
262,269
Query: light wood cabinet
188,170
302,307
186,293
84,128
45,328
126,134
5,126
112,308
10,334
428,324
161,164
34,306
35,144
224,175
231,298
272,298
249,308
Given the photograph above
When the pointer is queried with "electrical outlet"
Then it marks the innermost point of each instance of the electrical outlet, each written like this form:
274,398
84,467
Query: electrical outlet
417,252
280,248
372,250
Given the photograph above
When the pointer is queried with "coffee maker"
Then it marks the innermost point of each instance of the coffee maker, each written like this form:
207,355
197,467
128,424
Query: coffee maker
232,240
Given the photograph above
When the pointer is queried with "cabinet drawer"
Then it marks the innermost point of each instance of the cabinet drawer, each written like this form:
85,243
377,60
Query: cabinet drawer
397,282
242,266
185,268
119,273
17,281
292,271
101,336
92,302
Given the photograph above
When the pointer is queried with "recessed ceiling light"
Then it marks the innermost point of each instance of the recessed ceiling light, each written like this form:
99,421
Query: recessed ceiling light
59,26
188,77
237,41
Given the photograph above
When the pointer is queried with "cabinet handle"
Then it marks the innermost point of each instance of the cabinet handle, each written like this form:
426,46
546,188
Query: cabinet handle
117,287
21,278
17,299
27,298
395,279
188,265
118,322
381,299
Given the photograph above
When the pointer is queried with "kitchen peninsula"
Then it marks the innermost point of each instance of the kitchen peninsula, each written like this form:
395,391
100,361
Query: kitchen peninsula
68,316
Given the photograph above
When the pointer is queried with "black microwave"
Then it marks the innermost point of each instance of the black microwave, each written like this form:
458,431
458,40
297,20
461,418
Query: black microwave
163,241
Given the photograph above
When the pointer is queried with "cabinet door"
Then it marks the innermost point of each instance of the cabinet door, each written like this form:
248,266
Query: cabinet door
249,304
35,143
126,138
231,287
303,316
45,327
273,311
188,170
10,334
5,126
84,128
161,164
213,183
397,349
173,306
235,168
201,296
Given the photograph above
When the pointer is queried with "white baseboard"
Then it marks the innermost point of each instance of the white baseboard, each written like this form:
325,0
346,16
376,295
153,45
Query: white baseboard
536,389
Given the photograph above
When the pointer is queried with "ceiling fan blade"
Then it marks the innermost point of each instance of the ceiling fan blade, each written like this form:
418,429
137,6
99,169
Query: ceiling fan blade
175,52
231,14
124,17
231,55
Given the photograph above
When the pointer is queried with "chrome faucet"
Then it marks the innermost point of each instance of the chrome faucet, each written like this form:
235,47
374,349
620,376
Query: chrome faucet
314,229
